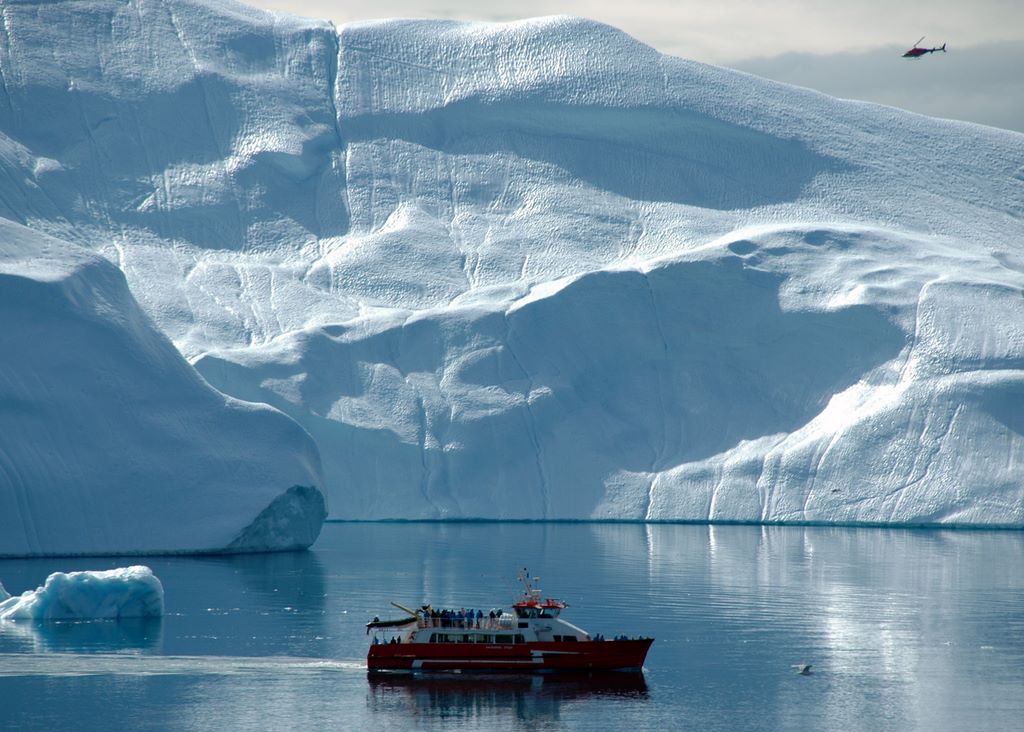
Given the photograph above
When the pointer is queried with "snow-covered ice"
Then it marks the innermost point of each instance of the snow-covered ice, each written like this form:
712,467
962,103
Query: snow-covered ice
536,269
126,592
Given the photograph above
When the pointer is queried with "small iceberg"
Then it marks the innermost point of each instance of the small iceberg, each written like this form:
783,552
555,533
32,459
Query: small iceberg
125,592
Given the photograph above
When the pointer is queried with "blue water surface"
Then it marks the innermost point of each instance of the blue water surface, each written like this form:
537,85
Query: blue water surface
905,629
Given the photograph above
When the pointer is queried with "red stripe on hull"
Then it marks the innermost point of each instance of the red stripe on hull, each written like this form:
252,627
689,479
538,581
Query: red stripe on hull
579,656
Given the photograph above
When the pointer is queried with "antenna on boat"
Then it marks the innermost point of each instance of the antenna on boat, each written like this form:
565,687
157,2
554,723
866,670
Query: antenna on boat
532,593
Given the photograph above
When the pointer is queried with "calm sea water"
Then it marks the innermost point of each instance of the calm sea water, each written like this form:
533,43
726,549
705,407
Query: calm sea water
905,630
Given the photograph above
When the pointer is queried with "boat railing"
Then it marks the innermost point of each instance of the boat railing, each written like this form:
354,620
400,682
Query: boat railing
486,623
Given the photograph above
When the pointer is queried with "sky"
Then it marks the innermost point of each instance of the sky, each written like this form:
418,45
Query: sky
850,50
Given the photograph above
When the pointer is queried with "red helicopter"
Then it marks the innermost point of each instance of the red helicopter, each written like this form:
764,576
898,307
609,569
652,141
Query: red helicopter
918,52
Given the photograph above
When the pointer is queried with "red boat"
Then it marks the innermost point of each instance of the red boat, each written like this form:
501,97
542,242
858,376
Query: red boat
533,637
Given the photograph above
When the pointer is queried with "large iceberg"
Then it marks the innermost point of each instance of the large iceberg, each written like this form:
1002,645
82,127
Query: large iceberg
537,269
126,592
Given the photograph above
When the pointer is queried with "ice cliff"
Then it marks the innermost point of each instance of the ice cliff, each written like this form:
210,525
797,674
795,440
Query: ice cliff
538,270
110,442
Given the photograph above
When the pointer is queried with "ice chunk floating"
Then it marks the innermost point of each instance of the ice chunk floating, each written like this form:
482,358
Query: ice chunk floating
127,592
524,270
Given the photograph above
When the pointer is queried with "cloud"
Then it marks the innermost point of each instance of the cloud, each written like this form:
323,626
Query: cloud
981,84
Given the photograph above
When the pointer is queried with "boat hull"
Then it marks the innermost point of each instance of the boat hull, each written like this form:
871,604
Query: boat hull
520,657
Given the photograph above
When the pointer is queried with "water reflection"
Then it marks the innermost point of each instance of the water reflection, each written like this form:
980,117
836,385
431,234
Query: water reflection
891,619
905,629
483,698
83,636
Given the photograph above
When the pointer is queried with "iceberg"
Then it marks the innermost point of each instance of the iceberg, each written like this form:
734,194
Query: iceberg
529,270
127,592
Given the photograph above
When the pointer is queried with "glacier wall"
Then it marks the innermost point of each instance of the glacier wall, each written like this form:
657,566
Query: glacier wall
539,270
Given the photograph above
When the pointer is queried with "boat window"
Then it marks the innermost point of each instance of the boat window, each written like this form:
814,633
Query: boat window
524,625
433,637
503,638
520,638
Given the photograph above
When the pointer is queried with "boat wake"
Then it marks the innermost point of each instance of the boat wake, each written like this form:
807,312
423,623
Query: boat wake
136,664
